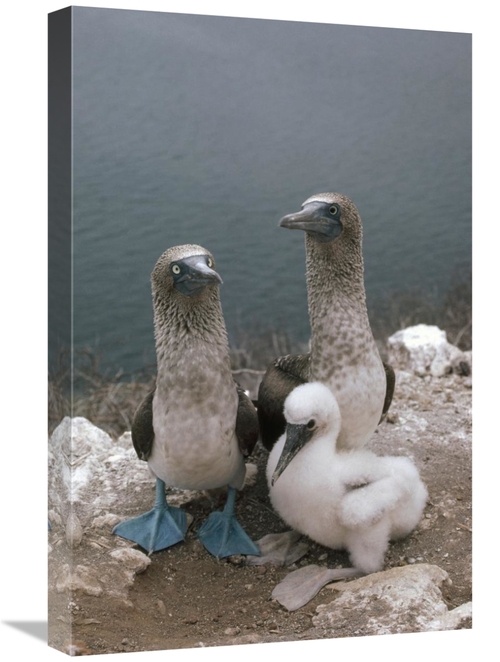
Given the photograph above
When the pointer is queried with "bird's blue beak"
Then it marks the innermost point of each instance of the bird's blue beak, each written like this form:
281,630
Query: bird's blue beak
321,220
192,274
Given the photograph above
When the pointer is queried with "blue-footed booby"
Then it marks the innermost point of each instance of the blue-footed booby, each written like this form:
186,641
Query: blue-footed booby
352,500
196,426
343,354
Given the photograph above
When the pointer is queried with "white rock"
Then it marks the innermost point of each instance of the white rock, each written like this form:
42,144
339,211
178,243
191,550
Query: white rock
89,473
72,456
79,578
406,599
454,618
424,350
108,520
133,559
125,440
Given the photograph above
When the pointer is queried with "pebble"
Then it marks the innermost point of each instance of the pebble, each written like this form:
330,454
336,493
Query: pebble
252,638
108,520
232,632
197,546
237,559
161,607
392,417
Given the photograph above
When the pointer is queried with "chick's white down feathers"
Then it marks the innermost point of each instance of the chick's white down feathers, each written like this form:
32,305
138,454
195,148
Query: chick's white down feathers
352,500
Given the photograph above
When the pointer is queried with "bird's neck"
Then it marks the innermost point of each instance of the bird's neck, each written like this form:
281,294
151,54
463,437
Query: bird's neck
340,329
320,449
191,339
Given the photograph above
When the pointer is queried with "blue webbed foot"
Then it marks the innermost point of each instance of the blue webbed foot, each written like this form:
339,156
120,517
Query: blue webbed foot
222,535
159,528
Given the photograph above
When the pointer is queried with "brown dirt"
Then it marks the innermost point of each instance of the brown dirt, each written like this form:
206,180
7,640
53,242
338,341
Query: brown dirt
186,598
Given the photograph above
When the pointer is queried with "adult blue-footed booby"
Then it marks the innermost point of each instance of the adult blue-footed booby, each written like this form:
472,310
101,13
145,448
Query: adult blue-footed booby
351,500
196,426
343,354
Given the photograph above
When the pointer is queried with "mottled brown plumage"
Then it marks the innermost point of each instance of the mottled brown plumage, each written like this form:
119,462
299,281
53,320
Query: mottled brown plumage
343,352
197,424
247,427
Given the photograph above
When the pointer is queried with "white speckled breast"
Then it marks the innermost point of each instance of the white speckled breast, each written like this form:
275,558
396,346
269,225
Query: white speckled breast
360,392
195,445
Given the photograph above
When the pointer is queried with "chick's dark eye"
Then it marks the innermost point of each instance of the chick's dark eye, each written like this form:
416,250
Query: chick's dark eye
334,210
311,424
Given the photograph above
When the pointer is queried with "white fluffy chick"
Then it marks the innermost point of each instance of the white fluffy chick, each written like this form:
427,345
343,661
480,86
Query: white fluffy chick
352,500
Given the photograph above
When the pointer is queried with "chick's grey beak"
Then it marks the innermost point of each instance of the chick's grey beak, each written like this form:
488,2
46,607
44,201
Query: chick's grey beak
297,437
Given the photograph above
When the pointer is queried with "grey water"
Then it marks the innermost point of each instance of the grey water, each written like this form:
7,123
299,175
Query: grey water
206,130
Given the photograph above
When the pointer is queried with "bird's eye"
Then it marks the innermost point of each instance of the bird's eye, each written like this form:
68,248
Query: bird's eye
311,424
176,269
210,262
334,210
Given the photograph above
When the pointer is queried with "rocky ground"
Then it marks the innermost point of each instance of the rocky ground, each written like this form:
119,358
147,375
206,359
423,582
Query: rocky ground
106,595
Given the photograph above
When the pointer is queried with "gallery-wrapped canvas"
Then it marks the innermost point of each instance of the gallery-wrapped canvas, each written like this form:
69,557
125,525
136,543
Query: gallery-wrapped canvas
256,435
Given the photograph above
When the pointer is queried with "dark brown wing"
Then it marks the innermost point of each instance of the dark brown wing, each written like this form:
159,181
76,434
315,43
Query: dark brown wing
282,376
142,427
391,382
247,423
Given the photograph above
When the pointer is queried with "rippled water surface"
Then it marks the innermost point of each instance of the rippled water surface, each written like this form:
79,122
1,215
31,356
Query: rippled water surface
193,129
